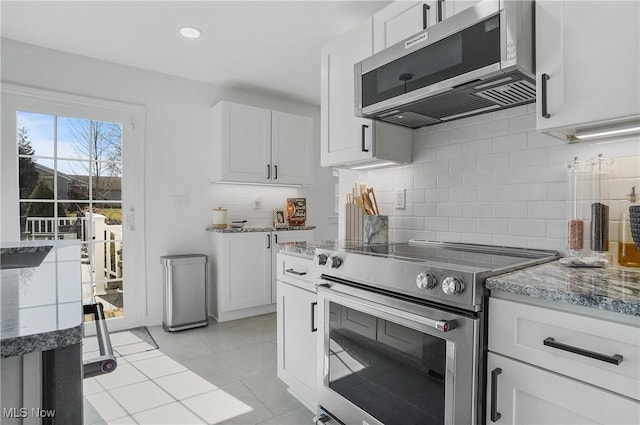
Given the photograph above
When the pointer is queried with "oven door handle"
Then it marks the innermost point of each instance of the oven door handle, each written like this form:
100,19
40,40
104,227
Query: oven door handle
438,324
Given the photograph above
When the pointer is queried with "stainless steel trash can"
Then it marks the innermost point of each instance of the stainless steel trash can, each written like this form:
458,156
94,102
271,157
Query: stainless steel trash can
185,291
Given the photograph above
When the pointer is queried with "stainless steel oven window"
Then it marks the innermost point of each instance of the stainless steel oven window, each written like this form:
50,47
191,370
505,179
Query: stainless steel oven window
425,376
395,373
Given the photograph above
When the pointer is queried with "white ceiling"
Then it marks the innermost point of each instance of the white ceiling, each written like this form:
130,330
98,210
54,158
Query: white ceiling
269,46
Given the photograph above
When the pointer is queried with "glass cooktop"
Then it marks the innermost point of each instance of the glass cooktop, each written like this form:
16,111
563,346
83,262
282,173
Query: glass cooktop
482,256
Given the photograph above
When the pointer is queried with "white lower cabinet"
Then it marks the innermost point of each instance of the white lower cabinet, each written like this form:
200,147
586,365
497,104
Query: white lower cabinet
526,395
297,328
243,277
547,366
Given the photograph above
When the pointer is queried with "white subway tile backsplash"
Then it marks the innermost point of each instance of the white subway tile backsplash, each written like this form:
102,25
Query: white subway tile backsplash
493,161
477,178
437,195
493,193
528,192
425,210
511,142
493,128
425,182
452,209
528,157
463,225
493,179
448,181
510,175
549,209
437,223
477,147
510,210
526,122
493,226
528,227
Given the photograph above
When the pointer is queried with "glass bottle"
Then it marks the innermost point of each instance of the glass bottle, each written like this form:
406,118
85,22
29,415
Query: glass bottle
576,180
628,252
600,172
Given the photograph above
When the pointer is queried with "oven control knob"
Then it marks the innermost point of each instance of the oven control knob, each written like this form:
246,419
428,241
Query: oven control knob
320,259
453,285
334,262
426,280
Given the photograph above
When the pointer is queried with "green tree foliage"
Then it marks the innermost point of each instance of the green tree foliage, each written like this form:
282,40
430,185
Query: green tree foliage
43,209
28,175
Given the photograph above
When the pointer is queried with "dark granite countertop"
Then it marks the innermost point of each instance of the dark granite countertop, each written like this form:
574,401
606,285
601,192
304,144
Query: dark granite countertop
613,288
41,307
259,229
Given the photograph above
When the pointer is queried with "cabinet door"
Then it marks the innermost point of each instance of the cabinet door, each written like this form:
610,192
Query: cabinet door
451,7
593,74
400,20
283,236
245,137
291,148
344,137
297,340
247,266
525,395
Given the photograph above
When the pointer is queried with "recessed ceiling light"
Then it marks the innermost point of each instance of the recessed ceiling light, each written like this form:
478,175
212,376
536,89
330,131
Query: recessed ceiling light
190,32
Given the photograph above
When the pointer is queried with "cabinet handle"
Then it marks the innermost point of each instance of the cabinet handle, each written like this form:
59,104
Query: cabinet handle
364,128
313,316
616,359
495,415
440,10
268,241
276,237
268,172
425,11
275,170
297,273
545,113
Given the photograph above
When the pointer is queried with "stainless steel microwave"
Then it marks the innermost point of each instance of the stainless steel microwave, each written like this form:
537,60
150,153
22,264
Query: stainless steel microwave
477,61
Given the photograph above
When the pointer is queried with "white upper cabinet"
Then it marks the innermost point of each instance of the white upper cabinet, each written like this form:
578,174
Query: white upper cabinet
291,148
257,145
451,7
345,138
587,74
401,20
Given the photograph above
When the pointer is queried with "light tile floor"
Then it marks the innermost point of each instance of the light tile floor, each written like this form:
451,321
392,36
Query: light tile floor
224,373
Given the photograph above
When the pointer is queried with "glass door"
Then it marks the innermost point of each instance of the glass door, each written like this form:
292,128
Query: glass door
75,180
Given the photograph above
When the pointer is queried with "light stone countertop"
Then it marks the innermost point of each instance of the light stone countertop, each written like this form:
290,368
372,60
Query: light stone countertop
612,288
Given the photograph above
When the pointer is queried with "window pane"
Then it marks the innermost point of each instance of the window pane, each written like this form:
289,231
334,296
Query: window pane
106,181
35,134
29,171
73,179
74,138
39,221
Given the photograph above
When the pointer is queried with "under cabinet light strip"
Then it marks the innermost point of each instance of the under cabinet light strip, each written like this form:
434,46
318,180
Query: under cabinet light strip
365,167
592,134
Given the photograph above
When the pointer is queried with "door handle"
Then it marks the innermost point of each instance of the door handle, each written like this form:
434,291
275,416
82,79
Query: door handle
440,10
276,238
495,415
616,359
425,16
313,316
268,241
268,172
297,273
545,113
275,170
364,128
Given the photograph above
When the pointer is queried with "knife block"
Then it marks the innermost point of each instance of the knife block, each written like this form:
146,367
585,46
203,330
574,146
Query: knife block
354,222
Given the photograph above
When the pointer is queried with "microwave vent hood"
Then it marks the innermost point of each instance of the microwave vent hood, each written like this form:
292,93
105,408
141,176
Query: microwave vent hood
477,61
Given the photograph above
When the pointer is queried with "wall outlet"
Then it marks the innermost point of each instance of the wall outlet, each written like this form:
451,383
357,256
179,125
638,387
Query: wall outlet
399,199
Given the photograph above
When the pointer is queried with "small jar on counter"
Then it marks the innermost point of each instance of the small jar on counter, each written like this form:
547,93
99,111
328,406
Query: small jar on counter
628,252
600,174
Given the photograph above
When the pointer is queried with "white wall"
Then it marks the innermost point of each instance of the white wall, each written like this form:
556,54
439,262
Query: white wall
493,179
178,156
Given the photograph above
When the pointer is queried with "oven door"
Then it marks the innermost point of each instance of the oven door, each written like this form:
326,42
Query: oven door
393,362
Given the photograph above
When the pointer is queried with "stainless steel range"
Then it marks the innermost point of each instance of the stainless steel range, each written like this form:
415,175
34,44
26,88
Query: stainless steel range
403,330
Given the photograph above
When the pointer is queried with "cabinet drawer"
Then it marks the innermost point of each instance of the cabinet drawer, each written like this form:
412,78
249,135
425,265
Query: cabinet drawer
296,270
577,346
519,394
